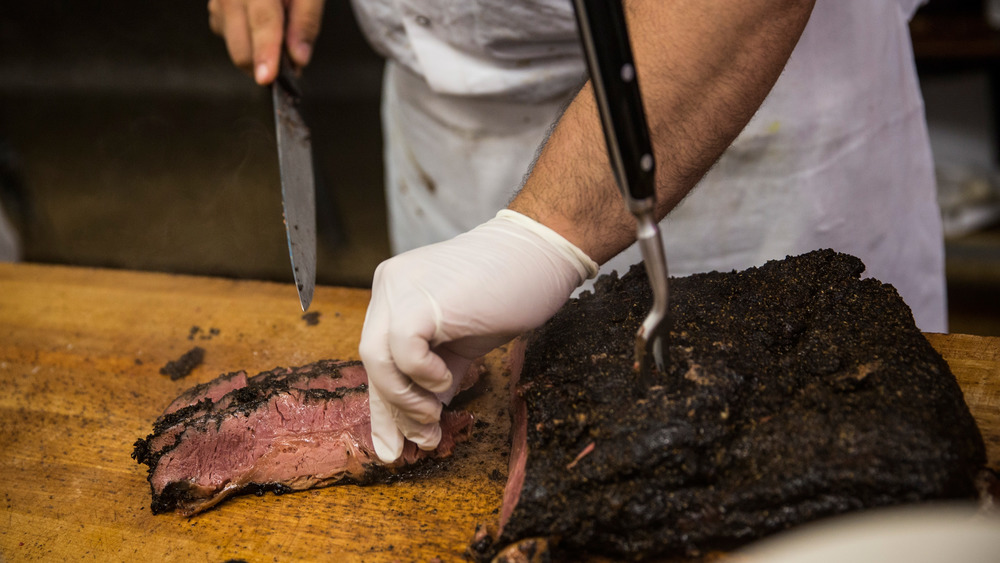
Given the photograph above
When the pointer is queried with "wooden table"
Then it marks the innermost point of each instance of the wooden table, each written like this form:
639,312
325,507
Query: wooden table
80,353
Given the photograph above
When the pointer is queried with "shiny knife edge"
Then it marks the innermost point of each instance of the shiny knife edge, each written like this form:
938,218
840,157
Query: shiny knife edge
298,193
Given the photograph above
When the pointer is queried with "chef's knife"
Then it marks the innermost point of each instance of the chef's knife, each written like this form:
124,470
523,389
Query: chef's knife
298,183
616,88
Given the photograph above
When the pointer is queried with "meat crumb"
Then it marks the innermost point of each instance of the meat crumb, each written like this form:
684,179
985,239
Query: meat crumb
183,366
196,331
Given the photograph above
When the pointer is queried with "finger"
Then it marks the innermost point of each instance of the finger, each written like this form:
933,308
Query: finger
266,19
410,349
304,20
232,20
391,419
215,17
410,399
386,438
425,436
395,389
413,409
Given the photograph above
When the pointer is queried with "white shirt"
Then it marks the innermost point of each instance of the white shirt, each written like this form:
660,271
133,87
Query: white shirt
525,50
837,156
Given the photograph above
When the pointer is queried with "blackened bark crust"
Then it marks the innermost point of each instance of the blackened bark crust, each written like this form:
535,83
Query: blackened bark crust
794,390
183,366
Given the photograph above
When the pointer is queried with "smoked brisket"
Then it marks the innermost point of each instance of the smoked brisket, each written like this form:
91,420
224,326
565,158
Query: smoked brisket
283,430
793,391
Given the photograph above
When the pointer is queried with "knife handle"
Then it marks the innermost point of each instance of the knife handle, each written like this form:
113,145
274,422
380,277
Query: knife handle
616,88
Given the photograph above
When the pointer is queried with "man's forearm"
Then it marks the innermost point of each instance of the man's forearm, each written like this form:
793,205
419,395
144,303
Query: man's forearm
704,67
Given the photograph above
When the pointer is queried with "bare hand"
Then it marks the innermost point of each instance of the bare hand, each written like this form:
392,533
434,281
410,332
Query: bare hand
253,31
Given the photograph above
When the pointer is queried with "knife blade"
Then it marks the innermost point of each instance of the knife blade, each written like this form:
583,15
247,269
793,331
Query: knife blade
298,182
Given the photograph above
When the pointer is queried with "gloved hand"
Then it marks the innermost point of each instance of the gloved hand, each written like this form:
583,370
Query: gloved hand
435,309
254,29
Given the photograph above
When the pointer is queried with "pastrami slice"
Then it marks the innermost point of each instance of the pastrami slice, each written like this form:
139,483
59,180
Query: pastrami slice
211,390
286,429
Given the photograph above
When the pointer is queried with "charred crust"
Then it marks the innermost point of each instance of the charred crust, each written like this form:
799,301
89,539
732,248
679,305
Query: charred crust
376,473
793,391
180,415
183,366
140,449
173,495
260,489
178,494
201,388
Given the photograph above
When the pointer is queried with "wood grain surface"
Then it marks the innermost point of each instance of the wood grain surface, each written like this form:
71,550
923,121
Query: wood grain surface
80,354
975,361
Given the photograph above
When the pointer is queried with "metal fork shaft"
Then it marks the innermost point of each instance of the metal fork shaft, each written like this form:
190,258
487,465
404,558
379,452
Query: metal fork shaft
650,338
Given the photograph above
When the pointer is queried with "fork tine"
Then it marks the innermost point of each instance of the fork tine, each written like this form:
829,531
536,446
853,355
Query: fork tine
651,339
651,343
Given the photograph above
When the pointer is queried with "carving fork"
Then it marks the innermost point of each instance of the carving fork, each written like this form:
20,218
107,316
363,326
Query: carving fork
609,59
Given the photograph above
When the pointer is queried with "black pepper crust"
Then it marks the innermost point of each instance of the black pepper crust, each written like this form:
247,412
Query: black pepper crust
794,391
183,366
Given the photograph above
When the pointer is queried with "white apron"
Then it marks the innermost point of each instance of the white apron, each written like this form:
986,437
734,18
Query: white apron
837,156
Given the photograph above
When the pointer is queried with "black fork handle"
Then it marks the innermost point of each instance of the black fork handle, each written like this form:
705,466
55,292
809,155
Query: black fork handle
616,88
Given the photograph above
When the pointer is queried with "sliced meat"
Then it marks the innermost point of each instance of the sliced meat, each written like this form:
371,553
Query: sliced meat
286,429
211,390
217,394
794,391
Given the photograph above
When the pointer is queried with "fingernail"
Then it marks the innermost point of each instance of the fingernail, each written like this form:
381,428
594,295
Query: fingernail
302,52
430,438
443,385
386,451
261,73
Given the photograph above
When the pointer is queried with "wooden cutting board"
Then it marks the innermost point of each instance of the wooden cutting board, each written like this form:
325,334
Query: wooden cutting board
80,354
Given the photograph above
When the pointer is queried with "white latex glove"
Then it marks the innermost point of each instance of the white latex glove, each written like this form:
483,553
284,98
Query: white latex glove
437,308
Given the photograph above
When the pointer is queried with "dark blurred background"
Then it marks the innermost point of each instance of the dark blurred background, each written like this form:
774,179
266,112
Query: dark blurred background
128,140
131,141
